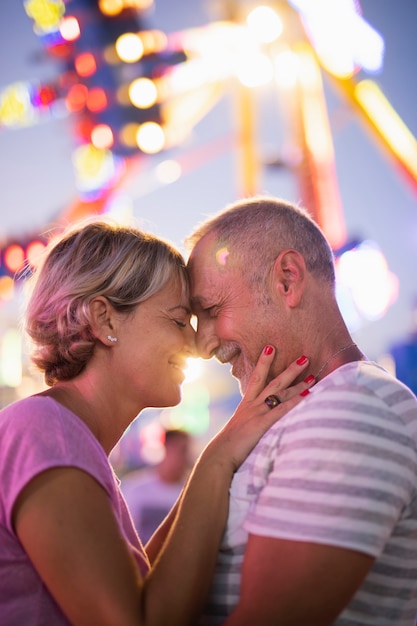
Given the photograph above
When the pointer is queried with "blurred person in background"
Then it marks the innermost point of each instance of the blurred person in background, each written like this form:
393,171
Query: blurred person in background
151,492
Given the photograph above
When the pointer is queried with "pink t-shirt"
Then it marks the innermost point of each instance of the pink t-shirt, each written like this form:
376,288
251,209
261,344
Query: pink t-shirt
36,434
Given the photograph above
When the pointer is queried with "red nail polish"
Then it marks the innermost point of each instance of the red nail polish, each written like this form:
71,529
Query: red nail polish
309,379
301,360
269,350
305,392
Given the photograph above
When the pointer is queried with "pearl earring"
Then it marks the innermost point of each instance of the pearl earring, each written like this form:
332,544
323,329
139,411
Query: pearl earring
112,339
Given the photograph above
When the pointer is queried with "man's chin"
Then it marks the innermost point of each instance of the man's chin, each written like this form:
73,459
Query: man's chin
243,382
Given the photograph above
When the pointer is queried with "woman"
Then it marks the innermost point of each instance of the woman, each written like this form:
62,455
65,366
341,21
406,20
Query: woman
110,322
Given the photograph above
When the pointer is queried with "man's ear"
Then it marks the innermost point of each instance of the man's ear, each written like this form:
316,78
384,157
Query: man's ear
288,276
102,317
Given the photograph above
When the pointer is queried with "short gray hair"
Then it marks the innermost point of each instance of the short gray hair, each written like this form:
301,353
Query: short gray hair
259,228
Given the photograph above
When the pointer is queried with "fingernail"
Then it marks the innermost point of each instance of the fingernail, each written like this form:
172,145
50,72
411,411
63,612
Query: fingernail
309,379
305,392
269,350
303,359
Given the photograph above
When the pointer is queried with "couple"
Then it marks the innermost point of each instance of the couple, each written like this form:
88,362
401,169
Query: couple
321,524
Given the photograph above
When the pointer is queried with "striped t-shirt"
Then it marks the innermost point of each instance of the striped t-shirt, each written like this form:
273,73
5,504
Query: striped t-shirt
340,469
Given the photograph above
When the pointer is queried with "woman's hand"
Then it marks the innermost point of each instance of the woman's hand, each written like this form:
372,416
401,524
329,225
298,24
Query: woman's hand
253,417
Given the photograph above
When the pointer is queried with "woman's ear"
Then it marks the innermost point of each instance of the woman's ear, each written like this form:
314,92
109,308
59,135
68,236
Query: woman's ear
288,276
102,319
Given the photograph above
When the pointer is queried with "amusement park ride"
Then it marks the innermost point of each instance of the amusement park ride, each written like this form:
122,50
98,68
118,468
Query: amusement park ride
132,90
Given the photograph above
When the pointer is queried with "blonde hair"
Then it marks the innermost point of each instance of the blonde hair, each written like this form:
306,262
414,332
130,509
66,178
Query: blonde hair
121,263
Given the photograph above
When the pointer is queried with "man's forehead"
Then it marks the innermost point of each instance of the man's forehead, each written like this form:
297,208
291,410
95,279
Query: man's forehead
211,251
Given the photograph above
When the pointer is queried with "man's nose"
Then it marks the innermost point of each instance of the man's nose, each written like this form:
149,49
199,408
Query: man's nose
207,339
191,341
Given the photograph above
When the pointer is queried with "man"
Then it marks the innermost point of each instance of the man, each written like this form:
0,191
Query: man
322,526
151,493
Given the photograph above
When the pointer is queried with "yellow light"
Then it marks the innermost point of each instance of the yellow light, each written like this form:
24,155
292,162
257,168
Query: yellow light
93,168
11,358
388,123
317,134
129,47
265,24
153,40
110,7
150,137
143,93
127,135
15,106
6,288
286,69
255,70
45,13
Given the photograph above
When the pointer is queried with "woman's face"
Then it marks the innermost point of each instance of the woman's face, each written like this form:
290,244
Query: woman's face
153,344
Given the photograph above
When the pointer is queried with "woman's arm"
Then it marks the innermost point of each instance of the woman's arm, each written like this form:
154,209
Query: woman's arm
64,520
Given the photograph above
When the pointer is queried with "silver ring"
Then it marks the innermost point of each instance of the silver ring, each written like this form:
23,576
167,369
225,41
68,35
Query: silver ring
272,401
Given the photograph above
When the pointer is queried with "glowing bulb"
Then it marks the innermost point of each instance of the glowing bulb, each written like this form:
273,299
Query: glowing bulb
70,28
14,258
143,93
265,24
110,7
85,64
102,137
34,252
255,70
150,137
129,47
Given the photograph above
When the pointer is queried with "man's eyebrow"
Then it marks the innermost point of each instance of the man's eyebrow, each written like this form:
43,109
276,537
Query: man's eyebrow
181,307
197,301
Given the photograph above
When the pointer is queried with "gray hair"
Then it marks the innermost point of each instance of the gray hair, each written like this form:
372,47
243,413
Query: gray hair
259,228
121,263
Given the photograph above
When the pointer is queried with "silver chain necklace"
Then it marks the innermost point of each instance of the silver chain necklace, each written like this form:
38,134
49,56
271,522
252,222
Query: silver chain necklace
326,363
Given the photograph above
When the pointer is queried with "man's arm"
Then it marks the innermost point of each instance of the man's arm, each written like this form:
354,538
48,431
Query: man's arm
296,583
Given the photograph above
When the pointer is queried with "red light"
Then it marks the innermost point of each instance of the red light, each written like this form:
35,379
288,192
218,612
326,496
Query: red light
46,95
96,99
85,64
83,128
14,258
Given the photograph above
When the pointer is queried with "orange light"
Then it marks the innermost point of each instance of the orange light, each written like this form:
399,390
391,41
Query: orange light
85,64
77,97
102,137
34,252
96,99
14,258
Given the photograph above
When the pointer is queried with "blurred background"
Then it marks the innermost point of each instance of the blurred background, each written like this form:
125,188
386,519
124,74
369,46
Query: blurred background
161,113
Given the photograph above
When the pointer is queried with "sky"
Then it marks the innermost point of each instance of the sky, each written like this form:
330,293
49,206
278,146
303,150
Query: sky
37,180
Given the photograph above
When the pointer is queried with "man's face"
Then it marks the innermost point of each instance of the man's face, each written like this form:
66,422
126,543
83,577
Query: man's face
232,325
